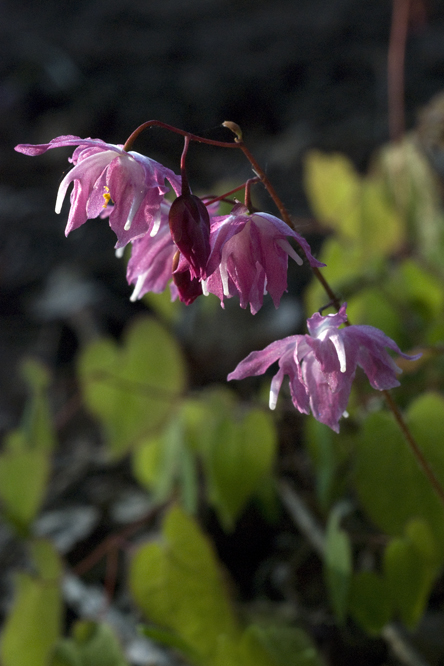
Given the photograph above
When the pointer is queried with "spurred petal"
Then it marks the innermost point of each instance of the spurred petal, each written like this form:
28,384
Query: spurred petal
258,362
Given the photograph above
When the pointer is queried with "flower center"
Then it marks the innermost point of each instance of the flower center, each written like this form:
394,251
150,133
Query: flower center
107,196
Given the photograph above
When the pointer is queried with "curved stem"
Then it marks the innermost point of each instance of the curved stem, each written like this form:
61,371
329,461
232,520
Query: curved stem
193,137
422,462
268,186
183,171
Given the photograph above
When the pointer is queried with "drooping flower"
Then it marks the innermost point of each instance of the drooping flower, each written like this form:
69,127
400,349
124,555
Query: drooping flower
104,172
321,366
150,266
249,257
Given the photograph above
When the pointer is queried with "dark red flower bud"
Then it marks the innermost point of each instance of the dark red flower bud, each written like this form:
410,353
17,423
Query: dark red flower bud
190,229
189,288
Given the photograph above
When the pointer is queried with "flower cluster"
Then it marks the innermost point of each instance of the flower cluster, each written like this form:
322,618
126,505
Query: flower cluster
232,255
243,254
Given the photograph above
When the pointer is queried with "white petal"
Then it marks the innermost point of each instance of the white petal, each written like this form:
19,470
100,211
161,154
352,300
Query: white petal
138,288
285,245
273,398
340,350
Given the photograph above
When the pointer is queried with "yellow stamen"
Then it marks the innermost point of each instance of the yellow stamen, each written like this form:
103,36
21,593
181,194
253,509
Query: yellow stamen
106,196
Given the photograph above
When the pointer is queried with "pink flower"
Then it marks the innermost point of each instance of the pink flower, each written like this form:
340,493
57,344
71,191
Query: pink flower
249,257
105,172
151,263
321,366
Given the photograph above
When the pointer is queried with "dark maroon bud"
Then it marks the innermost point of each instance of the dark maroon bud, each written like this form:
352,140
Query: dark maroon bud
190,229
189,288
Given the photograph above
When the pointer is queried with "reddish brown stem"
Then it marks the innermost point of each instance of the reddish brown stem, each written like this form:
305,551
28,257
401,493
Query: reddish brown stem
171,128
395,68
227,194
183,171
422,462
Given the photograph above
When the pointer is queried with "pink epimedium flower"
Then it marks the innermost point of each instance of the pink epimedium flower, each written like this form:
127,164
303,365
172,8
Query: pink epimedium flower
249,257
104,172
151,263
321,366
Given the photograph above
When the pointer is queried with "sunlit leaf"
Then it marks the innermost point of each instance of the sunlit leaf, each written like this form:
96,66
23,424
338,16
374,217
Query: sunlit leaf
24,476
179,585
334,189
33,625
92,644
132,388
240,453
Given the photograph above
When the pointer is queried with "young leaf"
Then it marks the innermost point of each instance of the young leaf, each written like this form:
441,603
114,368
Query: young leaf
384,461
92,644
23,479
337,564
132,389
34,624
238,455
370,603
179,585
410,569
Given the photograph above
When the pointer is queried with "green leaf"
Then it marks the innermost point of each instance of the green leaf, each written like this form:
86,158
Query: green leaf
288,646
410,571
164,462
33,625
239,454
92,644
24,476
338,564
37,426
334,189
370,603
172,640
132,389
415,190
385,461
179,585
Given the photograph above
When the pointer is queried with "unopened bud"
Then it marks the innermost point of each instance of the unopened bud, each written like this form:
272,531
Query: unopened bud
234,127
190,228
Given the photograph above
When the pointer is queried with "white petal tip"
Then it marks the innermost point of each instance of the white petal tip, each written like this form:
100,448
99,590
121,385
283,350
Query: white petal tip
273,401
127,226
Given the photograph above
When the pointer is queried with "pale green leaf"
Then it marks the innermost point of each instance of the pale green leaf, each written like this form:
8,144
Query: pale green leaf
33,625
179,585
24,476
334,189
240,454
132,388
